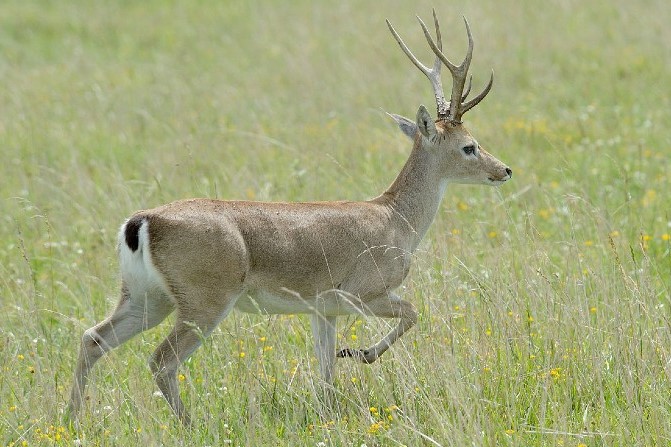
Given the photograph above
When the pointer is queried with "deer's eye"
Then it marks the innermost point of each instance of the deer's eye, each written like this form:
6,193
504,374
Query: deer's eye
469,150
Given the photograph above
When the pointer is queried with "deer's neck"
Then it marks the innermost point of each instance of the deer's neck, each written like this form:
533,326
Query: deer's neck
416,193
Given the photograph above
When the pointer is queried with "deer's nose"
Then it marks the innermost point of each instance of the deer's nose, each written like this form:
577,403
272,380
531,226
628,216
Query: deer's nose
509,172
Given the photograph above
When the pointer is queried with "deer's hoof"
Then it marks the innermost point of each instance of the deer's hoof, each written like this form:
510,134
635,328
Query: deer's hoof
362,355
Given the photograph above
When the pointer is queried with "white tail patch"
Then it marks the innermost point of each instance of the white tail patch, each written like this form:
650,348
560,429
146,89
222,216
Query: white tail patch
137,269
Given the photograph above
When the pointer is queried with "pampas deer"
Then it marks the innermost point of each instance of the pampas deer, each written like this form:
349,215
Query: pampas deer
202,258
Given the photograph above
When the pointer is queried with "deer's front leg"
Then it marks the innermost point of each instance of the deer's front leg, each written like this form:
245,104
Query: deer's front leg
388,306
324,332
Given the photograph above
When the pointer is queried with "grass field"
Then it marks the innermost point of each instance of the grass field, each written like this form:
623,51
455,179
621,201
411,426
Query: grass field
545,304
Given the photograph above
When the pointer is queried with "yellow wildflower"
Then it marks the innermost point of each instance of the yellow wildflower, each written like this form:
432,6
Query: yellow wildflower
375,427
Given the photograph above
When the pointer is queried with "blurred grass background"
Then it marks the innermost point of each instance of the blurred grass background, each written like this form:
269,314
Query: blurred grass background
544,304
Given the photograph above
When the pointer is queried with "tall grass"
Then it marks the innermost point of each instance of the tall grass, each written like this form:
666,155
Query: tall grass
544,304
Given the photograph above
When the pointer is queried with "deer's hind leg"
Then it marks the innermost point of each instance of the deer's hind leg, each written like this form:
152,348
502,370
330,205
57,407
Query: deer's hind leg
200,312
134,313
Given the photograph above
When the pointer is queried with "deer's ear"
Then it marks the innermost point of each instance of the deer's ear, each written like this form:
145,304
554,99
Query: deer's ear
407,126
425,123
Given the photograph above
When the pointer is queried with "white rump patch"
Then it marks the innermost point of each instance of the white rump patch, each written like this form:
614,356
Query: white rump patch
137,269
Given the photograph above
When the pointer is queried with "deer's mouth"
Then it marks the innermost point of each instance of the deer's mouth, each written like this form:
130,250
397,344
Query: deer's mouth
496,182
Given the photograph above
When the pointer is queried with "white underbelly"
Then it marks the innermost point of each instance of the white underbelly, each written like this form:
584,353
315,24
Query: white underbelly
264,302
334,302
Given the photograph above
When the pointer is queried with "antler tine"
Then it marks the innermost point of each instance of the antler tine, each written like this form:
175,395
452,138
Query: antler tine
459,78
433,74
473,102
469,54
436,49
468,89
424,69
436,63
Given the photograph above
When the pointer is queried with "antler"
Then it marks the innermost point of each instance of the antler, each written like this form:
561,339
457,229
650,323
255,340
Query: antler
433,74
457,105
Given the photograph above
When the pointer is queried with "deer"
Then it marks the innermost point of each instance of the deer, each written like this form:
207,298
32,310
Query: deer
201,258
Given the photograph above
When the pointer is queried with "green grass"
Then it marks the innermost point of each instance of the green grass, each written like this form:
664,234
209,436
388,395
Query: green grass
544,304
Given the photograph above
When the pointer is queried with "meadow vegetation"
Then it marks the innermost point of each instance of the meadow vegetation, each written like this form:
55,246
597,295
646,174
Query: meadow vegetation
544,304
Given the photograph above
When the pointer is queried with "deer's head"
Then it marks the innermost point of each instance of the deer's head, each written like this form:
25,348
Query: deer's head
461,157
